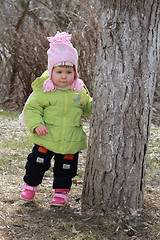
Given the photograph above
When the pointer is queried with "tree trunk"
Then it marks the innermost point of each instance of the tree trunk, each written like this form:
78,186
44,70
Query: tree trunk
124,83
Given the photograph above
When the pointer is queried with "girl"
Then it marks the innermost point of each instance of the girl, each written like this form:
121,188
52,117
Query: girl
53,115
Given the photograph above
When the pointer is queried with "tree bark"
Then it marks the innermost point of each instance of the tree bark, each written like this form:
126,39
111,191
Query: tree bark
124,84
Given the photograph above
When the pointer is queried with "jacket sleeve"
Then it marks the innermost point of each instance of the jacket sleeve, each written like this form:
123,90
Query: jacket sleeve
33,111
87,110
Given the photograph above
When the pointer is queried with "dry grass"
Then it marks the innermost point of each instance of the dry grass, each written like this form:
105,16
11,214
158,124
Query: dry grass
38,220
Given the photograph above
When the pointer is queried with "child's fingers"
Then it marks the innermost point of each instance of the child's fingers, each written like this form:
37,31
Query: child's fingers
45,131
38,131
41,130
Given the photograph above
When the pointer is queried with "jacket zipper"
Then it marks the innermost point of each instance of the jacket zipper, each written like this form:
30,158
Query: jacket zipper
64,121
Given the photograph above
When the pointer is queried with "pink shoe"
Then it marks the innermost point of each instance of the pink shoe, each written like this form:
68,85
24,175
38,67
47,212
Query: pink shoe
28,192
60,197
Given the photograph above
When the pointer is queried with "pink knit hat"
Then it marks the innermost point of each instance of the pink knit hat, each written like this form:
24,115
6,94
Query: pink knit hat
62,52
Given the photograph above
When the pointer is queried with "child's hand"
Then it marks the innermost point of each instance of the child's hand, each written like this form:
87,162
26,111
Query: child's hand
41,130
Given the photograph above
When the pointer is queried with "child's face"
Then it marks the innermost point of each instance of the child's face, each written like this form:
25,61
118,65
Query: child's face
63,76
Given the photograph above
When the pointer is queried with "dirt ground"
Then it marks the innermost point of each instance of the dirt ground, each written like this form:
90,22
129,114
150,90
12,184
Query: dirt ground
38,220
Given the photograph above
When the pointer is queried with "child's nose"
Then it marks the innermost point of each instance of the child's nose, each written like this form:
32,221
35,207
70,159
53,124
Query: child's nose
63,75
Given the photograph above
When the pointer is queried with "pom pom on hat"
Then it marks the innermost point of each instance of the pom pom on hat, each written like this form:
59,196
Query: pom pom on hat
61,38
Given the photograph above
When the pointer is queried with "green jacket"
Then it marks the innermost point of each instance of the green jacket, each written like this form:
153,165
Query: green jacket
60,112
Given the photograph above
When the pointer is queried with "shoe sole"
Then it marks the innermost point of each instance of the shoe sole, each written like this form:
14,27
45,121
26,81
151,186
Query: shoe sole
26,199
58,205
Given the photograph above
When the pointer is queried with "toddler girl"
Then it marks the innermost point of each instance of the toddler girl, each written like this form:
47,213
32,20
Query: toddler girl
53,115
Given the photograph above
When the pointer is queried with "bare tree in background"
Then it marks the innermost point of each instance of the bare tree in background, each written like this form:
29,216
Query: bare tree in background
124,84
16,48
22,49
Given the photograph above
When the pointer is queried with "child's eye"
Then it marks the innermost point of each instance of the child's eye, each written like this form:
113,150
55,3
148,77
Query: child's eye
59,72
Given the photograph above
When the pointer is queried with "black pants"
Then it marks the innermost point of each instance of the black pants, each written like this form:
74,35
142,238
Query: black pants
39,161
